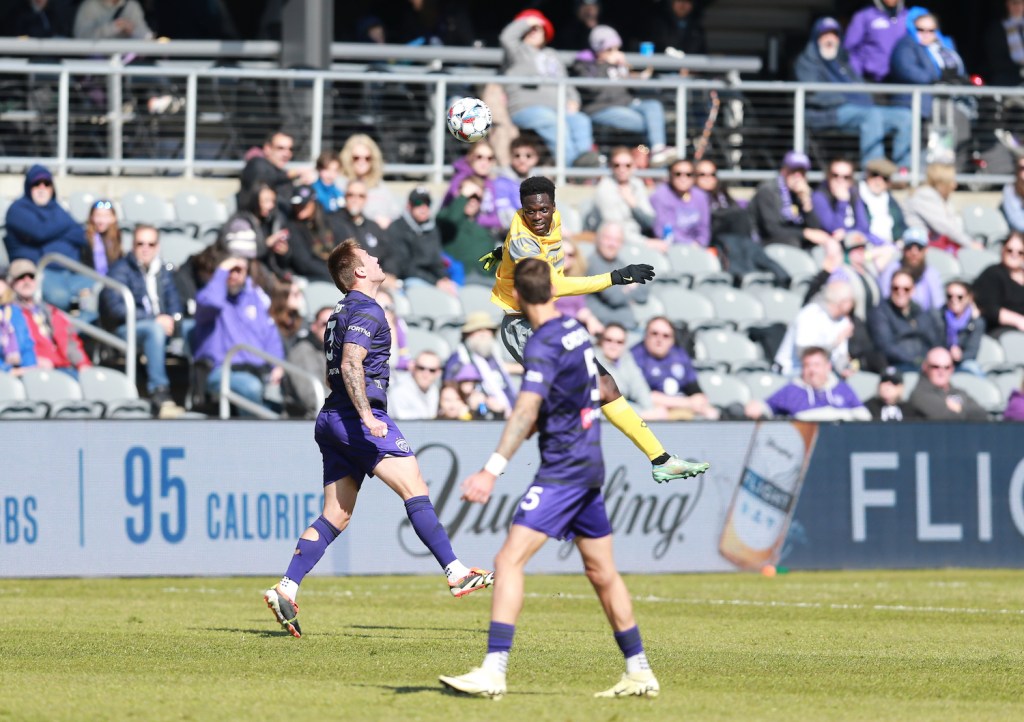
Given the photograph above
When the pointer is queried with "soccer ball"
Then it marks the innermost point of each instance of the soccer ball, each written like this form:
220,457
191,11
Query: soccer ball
469,120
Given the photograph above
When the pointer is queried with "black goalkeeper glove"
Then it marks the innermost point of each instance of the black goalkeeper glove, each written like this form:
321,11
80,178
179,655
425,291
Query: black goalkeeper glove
491,259
633,273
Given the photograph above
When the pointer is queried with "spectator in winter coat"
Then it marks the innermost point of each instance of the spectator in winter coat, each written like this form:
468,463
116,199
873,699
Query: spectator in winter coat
924,56
105,19
824,60
270,166
622,198
962,327
900,328
232,310
352,222
1004,50
307,352
103,237
931,207
38,225
816,396
1013,197
17,349
935,399
872,35
883,212
783,209
56,344
328,194
613,304
927,281
999,290
157,306
311,236
417,243
836,203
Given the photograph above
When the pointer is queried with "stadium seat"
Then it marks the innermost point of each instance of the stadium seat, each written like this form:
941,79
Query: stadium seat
432,307
1013,347
402,306
421,339
120,398
991,355
62,393
683,304
639,253
734,305
141,207
199,209
985,223
80,205
14,403
944,263
982,390
730,347
5,204
176,247
778,303
478,298
723,390
974,261
319,294
1008,382
762,384
864,384
909,383
644,312
796,262
757,279
692,262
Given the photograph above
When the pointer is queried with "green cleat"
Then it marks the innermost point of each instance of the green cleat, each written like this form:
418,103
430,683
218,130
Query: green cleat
676,468
634,684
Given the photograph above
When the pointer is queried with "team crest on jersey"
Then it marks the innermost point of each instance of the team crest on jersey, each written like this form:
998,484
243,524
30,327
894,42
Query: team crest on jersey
403,445
677,370
589,416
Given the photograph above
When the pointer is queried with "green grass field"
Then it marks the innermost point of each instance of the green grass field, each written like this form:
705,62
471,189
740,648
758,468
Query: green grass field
922,645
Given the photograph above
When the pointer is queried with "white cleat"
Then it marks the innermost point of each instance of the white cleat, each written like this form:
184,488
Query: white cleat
478,682
634,684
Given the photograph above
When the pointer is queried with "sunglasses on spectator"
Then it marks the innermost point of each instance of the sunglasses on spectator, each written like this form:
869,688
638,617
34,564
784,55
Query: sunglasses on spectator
841,176
483,156
682,173
1014,251
956,296
103,204
474,197
925,30
146,244
361,157
905,289
707,174
941,367
428,369
237,269
43,182
23,276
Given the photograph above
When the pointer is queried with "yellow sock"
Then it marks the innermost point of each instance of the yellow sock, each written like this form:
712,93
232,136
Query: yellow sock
625,419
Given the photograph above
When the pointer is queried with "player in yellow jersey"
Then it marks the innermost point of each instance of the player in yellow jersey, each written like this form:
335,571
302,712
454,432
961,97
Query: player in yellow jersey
536,232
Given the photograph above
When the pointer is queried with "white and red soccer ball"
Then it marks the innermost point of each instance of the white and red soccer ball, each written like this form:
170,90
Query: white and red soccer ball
469,120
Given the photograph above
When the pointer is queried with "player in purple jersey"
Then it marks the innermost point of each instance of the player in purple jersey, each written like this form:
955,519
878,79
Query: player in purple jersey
561,398
356,437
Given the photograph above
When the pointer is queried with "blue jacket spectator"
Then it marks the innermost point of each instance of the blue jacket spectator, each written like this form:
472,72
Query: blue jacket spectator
871,36
924,59
824,60
112,309
901,329
17,349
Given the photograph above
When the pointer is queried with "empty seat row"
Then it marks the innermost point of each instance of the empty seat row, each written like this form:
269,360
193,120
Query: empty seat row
99,392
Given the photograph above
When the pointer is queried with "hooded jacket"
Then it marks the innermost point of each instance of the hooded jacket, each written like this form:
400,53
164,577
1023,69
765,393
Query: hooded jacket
33,231
871,36
811,67
223,320
914,64
418,248
836,401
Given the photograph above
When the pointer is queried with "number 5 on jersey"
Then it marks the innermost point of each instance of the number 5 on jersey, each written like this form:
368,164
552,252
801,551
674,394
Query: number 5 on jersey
531,500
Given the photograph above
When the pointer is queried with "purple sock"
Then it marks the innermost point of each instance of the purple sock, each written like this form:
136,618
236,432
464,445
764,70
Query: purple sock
430,531
308,552
629,642
499,637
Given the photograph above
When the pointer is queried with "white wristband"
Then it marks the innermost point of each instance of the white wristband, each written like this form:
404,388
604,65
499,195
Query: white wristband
496,464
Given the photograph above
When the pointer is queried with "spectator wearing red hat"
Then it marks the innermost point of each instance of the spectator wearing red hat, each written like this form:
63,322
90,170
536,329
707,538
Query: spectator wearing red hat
535,107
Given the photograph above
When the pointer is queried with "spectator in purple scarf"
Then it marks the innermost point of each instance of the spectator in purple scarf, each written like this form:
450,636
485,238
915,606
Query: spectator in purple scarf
783,209
816,396
836,203
962,327
682,212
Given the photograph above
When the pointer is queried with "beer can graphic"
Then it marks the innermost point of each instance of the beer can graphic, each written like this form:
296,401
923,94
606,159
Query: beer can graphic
762,505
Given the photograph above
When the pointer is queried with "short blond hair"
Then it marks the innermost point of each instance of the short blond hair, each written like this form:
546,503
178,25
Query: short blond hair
940,176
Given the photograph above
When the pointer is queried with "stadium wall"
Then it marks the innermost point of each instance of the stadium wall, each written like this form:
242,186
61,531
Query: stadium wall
82,498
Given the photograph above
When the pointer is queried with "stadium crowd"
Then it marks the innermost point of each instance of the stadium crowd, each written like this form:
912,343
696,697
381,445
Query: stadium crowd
802,301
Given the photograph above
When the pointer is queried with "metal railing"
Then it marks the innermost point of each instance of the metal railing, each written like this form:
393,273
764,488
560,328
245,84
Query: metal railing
126,345
229,397
92,117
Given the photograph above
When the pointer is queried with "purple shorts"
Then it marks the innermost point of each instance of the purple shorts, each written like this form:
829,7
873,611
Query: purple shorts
564,511
349,449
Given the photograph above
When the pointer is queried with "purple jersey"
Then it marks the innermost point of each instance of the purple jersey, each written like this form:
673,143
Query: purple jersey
669,375
560,367
360,320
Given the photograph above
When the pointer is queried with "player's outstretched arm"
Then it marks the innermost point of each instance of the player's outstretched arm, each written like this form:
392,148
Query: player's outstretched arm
478,487
352,356
581,285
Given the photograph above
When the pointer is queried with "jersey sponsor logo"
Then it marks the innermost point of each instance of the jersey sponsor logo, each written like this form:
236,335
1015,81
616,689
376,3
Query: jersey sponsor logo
575,339
589,416
678,370
361,330
403,445
535,377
